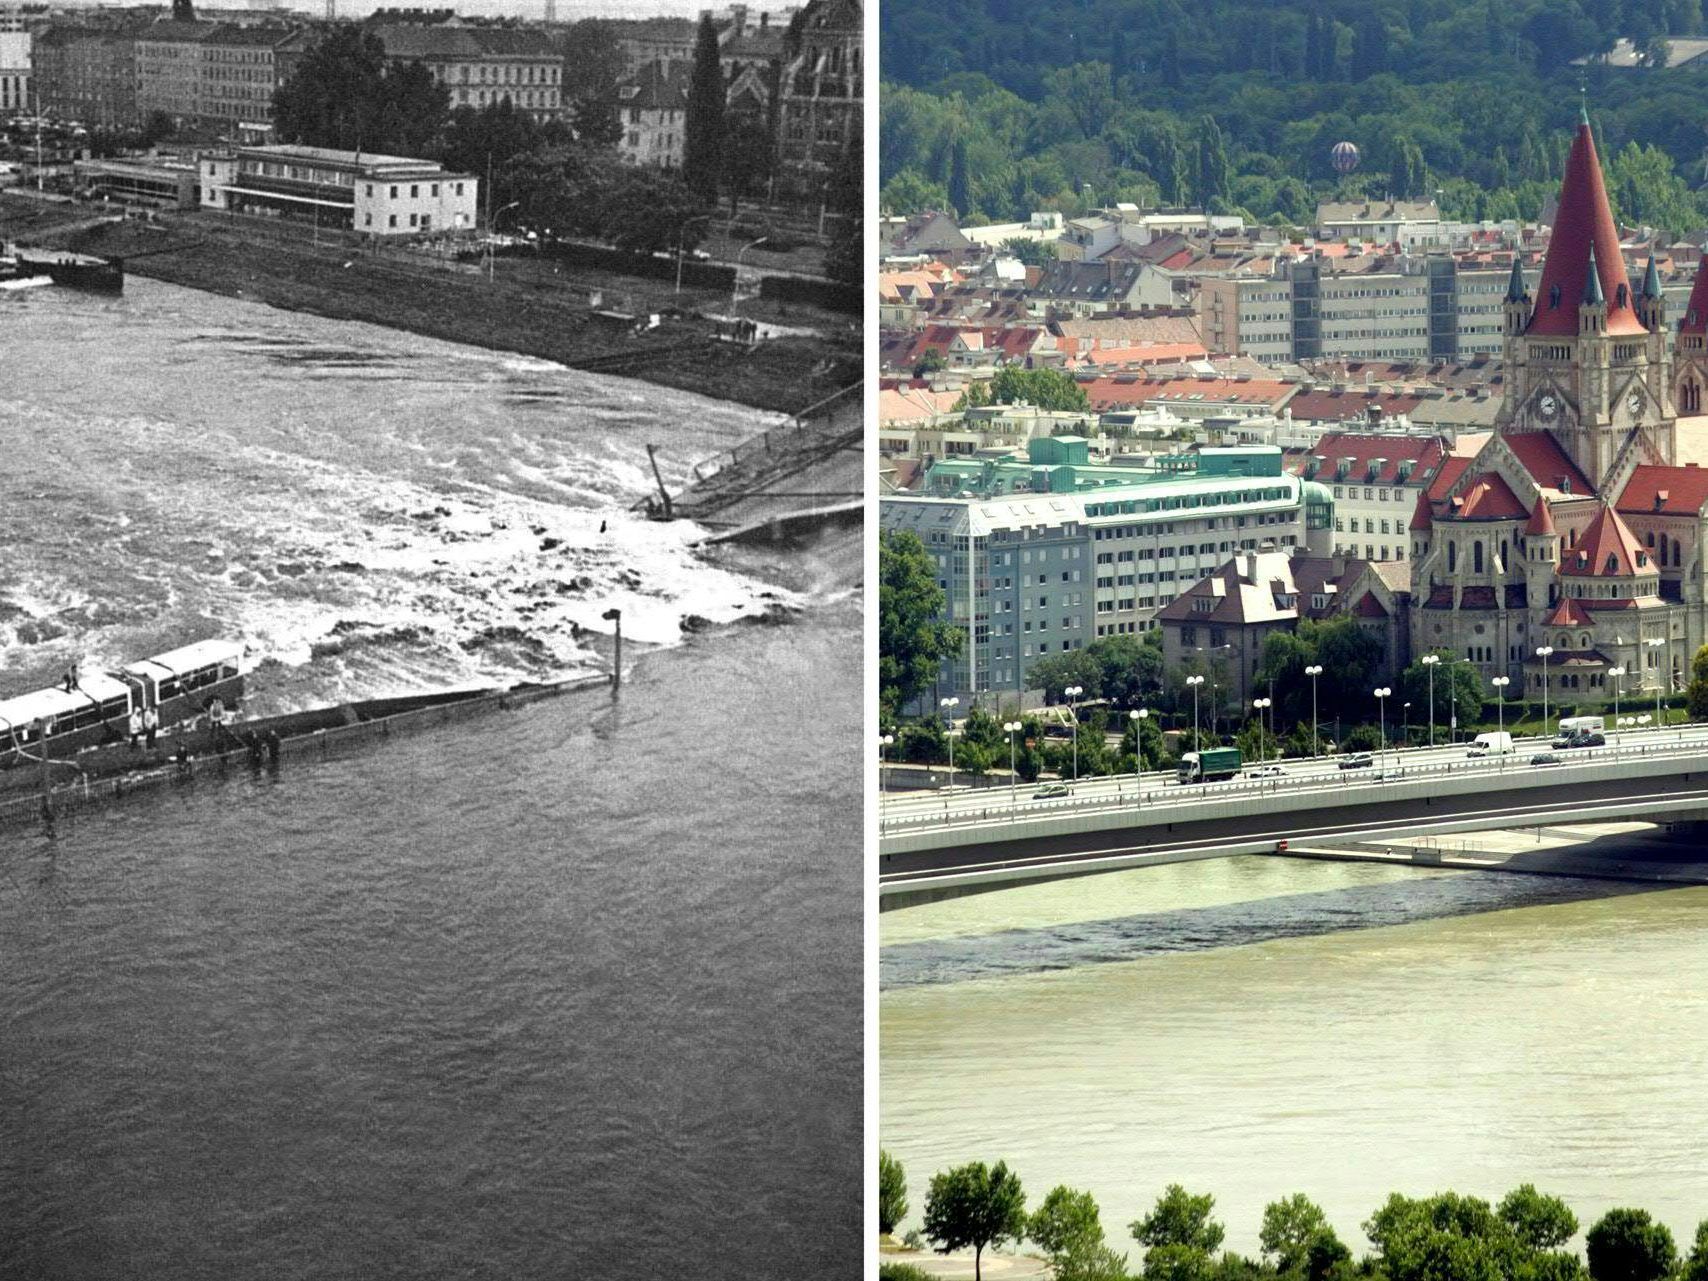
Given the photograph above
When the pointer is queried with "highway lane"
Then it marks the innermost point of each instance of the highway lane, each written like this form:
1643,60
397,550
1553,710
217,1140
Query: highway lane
914,811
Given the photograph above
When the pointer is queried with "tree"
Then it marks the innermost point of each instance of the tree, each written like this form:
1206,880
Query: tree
746,159
1212,163
1046,388
1067,1223
593,64
912,192
1446,1237
1458,688
1696,1265
1147,734
703,137
1539,1222
1289,1228
1627,1245
1696,695
913,639
977,1206
345,94
596,123
892,1192
1034,253
960,181
1180,1219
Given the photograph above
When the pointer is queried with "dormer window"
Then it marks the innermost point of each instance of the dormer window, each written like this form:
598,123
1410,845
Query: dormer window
1203,605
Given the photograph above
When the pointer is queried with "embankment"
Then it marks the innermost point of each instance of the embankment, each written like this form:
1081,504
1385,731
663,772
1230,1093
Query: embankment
523,306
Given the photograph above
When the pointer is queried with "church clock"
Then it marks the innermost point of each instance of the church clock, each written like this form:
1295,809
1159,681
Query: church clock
1634,402
1548,406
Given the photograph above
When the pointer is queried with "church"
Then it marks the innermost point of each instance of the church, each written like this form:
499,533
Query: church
1574,528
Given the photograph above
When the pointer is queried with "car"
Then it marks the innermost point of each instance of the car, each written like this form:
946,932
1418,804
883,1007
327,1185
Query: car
1266,771
1050,791
1583,738
1545,758
1358,760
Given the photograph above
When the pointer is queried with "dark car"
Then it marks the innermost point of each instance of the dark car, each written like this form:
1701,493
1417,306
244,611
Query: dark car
1584,738
1544,758
1360,760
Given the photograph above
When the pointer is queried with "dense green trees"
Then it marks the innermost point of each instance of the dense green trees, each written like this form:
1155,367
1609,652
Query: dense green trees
1459,691
1052,106
892,1192
1046,388
1627,1245
912,638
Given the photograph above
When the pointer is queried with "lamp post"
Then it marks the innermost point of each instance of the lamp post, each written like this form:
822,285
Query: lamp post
1071,693
1618,675
1431,661
1655,642
1313,671
1261,704
884,741
1382,696
949,705
614,615
1138,718
491,231
1500,683
1012,728
1542,652
1405,726
1195,682
681,235
735,288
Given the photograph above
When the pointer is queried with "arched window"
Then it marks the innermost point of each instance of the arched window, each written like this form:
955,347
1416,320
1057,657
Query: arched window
1452,556
1677,553
1477,556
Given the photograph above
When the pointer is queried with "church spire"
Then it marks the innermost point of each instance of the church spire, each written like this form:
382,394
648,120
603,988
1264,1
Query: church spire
1696,310
1515,290
1652,279
1584,239
1592,295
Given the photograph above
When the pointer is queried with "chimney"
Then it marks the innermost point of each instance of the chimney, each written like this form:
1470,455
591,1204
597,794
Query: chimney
1248,568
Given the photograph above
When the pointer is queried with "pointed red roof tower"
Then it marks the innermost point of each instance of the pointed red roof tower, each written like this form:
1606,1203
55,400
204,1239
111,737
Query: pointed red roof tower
1696,310
1584,240
1541,522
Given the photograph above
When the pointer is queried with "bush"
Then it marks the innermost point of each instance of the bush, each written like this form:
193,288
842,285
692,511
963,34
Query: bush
902,1272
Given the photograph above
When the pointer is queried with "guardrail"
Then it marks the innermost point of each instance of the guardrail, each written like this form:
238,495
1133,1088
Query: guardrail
1173,799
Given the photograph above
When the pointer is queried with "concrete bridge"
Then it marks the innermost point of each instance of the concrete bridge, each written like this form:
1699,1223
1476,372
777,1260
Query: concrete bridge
934,847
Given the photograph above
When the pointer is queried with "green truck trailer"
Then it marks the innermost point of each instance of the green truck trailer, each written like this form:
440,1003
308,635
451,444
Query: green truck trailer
1209,765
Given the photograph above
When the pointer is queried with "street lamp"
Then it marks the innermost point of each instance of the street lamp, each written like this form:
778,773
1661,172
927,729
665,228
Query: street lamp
735,289
1655,642
949,705
1405,725
1382,696
1542,652
491,231
1070,693
884,741
1137,718
1195,682
1618,675
682,235
1260,704
1431,661
1500,683
1313,671
1012,728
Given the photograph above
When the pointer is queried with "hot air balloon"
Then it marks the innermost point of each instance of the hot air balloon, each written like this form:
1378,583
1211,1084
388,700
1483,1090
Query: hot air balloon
1345,157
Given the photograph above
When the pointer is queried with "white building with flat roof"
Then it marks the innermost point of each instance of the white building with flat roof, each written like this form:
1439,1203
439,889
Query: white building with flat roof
351,190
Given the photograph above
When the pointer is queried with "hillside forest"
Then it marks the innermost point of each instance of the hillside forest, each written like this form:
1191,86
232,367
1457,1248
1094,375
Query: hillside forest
997,108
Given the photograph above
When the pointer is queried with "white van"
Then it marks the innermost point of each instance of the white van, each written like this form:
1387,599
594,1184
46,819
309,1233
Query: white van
1497,744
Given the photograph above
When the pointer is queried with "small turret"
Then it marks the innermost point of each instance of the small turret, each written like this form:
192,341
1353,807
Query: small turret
1651,306
1517,305
1592,311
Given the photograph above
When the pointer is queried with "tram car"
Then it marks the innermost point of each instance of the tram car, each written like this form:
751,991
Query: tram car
205,678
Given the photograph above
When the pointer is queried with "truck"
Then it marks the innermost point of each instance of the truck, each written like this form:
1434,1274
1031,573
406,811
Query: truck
1209,765
1572,726
1497,744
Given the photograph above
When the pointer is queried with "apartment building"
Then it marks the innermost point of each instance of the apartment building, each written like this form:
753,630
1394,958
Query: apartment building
1089,550
653,110
1408,307
15,64
483,66
1376,479
87,75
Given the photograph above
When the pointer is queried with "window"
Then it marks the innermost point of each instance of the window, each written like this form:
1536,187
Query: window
415,191
393,221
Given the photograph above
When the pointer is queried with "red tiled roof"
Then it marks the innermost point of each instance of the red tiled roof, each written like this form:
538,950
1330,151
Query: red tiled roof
1420,517
1696,310
1568,613
1583,228
1541,519
1547,463
1487,497
1426,452
1678,491
1607,547
1129,393
1452,467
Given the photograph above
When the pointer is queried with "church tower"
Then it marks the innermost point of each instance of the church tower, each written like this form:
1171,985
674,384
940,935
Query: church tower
1691,357
1588,363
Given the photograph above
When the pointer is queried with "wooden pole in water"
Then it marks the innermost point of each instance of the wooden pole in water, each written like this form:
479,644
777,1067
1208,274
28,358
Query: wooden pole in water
616,616
652,458
47,786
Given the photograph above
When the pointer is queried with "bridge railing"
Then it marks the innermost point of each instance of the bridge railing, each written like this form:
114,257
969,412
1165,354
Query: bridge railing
1174,798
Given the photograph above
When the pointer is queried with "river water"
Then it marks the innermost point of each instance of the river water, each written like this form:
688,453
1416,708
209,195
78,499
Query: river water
571,990
1255,1027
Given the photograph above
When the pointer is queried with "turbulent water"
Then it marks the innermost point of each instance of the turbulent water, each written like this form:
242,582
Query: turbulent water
370,511
1256,1027
569,990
